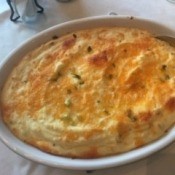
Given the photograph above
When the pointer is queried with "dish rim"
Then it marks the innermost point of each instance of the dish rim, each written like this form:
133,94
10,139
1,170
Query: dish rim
25,150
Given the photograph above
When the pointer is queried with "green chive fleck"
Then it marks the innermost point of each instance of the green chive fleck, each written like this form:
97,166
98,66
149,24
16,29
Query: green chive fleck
131,115
76,76
89,49
68,102
164,67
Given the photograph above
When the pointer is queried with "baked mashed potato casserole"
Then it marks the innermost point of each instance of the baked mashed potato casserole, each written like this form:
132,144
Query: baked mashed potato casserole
92,93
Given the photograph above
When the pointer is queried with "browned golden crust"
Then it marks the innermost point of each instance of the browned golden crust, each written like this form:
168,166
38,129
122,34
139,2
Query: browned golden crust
92,93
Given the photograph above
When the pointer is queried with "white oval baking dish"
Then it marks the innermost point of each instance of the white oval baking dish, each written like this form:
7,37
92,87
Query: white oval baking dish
36,155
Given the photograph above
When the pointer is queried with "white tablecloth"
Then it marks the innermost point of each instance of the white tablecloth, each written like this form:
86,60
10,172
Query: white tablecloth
13,34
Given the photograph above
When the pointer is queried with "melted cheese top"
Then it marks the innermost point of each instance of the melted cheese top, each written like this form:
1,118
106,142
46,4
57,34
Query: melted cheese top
92,93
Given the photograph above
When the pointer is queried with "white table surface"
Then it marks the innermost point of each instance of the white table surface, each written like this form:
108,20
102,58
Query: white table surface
13,34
